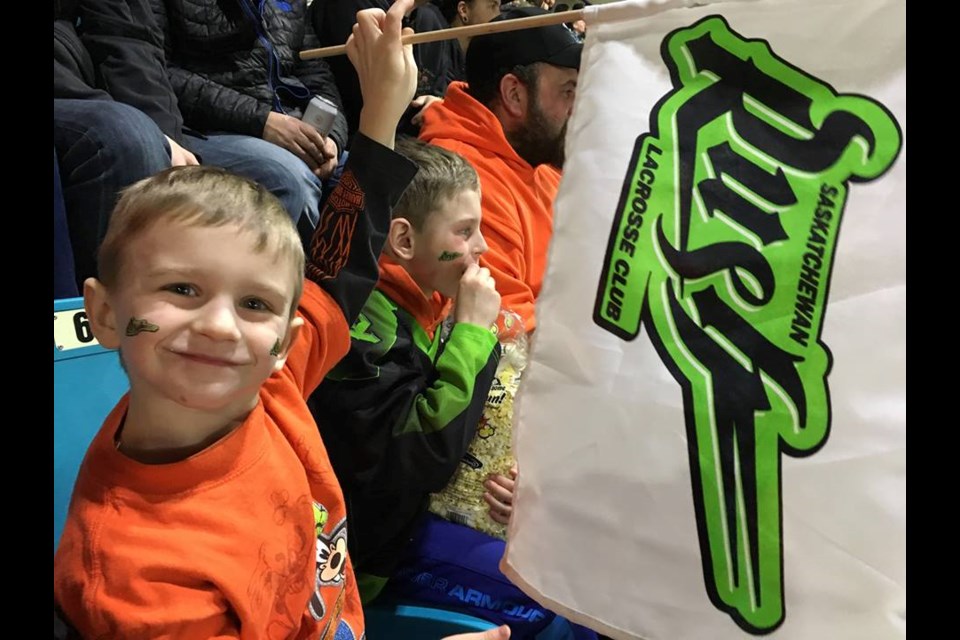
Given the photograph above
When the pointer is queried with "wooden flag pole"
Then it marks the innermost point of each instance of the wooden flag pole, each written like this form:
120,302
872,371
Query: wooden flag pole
473,30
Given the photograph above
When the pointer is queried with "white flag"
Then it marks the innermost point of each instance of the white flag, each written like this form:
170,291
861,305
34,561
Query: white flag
712,427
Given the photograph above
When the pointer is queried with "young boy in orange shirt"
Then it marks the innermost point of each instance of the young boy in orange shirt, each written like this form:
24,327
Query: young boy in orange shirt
206,506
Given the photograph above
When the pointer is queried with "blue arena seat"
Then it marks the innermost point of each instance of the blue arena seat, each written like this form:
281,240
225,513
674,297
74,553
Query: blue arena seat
413,622
87,382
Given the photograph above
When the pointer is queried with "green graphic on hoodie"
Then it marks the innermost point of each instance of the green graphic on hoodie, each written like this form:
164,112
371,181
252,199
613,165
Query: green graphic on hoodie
722,248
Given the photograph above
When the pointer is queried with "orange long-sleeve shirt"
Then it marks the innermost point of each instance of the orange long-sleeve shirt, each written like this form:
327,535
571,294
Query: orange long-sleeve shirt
516,198
246,539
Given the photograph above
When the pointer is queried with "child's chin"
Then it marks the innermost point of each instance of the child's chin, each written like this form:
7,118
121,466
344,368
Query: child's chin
215,401
449,293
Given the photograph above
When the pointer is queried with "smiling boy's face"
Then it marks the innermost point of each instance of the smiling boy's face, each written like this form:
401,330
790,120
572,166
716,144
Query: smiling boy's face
448,243
197,314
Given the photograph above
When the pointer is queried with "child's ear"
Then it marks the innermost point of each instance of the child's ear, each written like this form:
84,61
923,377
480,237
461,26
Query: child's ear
293,331
401,238
100,313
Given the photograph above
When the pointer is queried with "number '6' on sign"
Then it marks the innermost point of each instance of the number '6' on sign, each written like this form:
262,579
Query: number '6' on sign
71,330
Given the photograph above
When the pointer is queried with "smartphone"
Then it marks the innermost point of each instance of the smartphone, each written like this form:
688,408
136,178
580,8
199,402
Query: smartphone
320,113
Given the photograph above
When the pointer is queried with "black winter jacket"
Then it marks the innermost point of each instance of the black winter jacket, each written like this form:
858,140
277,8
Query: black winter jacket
116,53
218,63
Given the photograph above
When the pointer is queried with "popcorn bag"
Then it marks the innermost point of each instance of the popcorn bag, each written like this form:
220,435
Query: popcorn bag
461,501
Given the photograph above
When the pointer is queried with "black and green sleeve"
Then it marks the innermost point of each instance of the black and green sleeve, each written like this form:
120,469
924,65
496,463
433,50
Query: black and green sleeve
400,410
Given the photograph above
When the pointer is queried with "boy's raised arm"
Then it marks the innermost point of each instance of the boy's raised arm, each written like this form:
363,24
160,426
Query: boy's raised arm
343,253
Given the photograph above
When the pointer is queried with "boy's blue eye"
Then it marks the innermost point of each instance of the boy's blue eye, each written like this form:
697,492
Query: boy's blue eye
256,304
181,289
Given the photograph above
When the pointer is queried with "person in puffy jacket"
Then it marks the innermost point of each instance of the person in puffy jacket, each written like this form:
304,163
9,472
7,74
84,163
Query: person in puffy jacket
242,88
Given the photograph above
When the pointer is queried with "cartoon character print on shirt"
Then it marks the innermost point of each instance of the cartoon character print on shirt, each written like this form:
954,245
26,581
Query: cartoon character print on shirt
278,577
331,559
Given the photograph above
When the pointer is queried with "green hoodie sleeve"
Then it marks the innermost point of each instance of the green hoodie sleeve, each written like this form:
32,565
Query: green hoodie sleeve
399,410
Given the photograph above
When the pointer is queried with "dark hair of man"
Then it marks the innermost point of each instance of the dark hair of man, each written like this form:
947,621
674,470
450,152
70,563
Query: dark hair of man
488,91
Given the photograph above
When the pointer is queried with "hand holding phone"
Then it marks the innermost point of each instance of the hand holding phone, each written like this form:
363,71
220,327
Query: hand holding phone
320,113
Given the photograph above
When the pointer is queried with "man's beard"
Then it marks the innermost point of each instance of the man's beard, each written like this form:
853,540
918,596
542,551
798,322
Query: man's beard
536,141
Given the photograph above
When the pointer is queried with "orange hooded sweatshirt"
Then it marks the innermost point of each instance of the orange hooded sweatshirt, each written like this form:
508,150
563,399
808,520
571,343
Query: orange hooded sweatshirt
516,198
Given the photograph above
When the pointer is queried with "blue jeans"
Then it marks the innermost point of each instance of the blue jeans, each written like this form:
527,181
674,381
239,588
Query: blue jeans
453,567
64,276
282,173
101,147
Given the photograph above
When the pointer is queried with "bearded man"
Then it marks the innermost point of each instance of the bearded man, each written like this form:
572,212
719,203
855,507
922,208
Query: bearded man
509,120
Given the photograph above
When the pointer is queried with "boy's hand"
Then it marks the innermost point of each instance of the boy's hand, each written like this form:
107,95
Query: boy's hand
477,299
422,103
386,69
179,156
500,633
499,495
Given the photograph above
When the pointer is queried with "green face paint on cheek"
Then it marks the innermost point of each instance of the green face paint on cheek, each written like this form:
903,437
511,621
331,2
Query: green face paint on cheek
447,256
138,325
275,351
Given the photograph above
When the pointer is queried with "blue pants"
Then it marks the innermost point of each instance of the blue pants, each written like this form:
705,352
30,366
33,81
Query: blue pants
101,147
453,567
64,276
282,173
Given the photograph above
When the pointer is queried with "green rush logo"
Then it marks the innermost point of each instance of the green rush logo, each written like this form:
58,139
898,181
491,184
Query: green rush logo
722,248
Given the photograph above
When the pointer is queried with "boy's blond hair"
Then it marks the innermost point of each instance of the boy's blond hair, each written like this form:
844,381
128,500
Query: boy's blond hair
441,175
203,197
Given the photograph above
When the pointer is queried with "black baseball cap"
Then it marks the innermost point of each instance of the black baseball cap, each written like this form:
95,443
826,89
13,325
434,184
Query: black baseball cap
496,53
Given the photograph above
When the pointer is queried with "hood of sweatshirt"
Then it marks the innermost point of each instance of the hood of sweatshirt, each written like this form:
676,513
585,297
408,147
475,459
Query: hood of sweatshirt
461,118
397,284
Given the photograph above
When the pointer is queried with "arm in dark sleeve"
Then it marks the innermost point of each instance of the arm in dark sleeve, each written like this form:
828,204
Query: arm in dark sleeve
73,74
353,225
442,416
393,419
126,46
317,76
210,106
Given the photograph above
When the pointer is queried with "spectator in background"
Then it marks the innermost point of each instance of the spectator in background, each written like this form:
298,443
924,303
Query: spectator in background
115,116
509,121
236,71
117,120
516,4
463,13
333,21
578,27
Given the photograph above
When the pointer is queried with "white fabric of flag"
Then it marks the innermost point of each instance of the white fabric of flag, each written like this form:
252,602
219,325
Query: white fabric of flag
711,432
